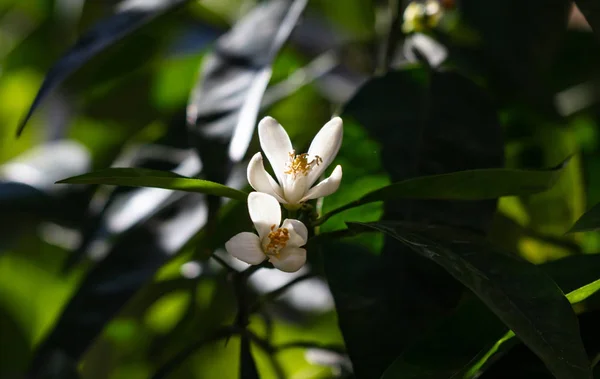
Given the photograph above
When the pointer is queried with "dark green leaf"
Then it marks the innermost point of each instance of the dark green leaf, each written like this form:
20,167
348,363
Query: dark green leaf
518,45
458,345
537,312
362,298
573,272
470,185
427,123
136,177
465,185
98,38
574,297
590,220
449,347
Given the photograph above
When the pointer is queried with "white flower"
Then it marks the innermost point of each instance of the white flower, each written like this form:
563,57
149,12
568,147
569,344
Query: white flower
296,173
279,243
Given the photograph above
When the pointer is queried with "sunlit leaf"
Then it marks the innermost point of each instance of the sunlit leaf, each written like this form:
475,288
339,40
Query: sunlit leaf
136,177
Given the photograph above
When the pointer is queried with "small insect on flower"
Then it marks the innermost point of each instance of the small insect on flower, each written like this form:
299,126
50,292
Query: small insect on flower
278,242
296,173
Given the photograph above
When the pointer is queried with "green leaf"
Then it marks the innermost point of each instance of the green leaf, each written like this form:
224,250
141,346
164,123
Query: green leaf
136,177
451,346
478,184
574,297
470,185
584,292
590,220
537,312
105,33
421,123
454,347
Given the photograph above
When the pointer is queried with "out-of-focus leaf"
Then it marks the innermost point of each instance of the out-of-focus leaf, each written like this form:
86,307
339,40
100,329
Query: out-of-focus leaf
466,185
362,296
591,11
590,220
518,44
224,105
137,177
13,360
573,272
427,123
131,14
41,167
248,368
130,262
449,347
538,313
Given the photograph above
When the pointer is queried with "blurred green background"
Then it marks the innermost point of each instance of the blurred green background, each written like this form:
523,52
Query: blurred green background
127,107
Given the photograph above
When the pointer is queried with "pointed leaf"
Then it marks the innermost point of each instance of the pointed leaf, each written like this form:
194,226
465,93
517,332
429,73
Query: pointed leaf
590,220
426,123
130,16
224,105
136,177
454,348
518,292
479,184
574,297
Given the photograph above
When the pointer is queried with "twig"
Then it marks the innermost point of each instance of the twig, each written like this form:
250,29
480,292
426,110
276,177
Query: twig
391,40
278,292
222,262
310,345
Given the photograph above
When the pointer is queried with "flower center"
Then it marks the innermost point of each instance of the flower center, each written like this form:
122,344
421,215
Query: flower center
299,164
278,238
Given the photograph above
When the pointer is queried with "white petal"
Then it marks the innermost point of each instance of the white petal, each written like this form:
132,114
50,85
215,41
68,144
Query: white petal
245,246
276,145
326,187
298,232
291,259
295,188
264,212
326,145
260,179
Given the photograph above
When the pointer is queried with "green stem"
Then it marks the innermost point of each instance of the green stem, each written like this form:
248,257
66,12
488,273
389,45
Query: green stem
292,213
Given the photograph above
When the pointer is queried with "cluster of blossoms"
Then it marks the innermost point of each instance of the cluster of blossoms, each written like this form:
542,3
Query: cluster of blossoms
281,243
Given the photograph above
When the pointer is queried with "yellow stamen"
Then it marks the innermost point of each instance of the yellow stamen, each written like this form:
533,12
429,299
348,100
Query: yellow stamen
299,164
278,238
